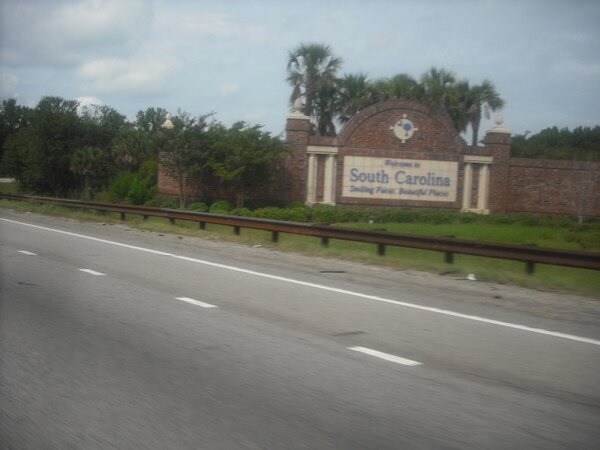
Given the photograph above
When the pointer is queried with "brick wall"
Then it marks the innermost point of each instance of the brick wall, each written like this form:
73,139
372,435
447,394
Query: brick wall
554,187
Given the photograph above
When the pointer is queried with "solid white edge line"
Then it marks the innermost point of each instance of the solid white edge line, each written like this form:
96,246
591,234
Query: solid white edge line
326,288
25,252
386,356
92,272
196,302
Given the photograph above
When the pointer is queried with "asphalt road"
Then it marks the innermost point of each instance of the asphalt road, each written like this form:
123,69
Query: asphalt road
115,338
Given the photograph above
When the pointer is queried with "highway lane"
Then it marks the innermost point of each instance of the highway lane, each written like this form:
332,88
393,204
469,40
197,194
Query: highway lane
115,360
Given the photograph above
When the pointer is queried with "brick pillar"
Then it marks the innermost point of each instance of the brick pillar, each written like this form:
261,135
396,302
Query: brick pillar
498,140
297,130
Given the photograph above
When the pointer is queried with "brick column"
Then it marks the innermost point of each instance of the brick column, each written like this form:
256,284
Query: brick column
297,130
498,140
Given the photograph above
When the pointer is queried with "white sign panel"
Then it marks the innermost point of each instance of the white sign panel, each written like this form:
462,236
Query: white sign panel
400,179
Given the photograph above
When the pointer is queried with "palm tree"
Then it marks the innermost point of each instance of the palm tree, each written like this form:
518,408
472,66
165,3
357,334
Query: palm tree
326,106
442,91
400,86
355,93
312,68
482,99
92,165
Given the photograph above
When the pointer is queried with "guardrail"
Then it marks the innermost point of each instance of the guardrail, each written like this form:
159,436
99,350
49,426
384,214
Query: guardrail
529,254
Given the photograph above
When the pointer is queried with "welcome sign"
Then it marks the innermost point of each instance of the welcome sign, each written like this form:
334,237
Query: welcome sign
400,179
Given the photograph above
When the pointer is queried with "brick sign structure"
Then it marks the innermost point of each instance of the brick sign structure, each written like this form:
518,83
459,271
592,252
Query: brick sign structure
402,154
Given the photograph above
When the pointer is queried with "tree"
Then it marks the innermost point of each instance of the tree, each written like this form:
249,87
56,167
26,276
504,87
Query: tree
13,117
151,120
442,92
92,165
355,93
39,155
241,157
186,149
326,103
101,124
131,147
439,88
312,72
580,144
481,99
401,86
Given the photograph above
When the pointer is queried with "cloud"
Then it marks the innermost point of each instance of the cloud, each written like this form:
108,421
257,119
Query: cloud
199,23
87,101
58,33
137,76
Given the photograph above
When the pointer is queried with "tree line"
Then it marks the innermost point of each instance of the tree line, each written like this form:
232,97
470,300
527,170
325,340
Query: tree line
59,148
579,144
327,98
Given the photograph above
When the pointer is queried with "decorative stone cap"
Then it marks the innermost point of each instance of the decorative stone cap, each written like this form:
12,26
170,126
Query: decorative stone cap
499,128
296,112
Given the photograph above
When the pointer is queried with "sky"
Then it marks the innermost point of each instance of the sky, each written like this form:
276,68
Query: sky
229,57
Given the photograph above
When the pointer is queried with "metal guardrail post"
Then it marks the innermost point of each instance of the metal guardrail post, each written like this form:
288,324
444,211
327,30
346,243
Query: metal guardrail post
274,236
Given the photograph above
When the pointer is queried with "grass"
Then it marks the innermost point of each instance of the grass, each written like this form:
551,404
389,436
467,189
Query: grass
546,277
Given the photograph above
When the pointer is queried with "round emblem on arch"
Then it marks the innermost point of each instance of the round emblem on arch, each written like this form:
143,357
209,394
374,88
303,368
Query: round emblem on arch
403,129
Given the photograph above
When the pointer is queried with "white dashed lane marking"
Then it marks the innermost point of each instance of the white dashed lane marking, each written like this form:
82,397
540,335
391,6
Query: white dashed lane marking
196,302
92,272
25,252
386,356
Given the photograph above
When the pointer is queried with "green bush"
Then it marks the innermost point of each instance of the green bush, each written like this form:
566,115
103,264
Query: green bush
344,214
102,197
131,188
149,171
120,186
323,214
298,213
140,191
220,207
162,202
198,206
270,212
244,212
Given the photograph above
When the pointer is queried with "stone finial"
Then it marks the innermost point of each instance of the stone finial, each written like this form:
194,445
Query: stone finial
499,120
297,106
297,110
167,124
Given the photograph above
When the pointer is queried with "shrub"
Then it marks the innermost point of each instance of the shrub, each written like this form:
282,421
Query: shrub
244,212
347,215
198,206
103,197
323,214
270,212
120,186
162,202
149,171
140,191
298,213
220,207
